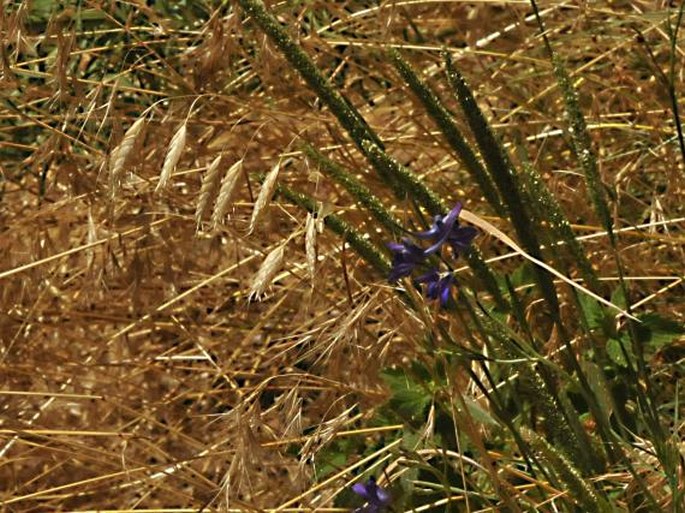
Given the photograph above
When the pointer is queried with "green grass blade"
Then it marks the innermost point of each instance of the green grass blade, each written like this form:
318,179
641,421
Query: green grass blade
502,171
369,252
443,119
347,115
360,192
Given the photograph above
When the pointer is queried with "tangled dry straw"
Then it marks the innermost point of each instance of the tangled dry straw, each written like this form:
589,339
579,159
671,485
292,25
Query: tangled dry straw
135,372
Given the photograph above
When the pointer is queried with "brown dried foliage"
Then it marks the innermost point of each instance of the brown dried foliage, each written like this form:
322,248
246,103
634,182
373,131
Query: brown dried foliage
134,372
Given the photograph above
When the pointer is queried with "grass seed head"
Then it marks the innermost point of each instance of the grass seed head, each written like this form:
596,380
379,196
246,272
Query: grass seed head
120,154
265,194
178,142
210,184
223,200
262,280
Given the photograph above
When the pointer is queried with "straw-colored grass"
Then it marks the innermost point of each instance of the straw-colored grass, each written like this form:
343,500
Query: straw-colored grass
149,364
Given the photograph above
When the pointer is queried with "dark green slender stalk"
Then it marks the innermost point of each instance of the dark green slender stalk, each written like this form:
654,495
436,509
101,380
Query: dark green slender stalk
582,490
483,272
580,136
668,81
370,202
349,234
358,190
397,177
550,210
404,178
582,147
441,116
347,115
673,38
560,421
558,223
502,172
518,311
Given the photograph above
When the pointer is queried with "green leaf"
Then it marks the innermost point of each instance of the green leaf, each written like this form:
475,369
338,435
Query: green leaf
615,352
41,10
478,413
598,384
523,276
335,456
409,399
657,331
592,310
619,298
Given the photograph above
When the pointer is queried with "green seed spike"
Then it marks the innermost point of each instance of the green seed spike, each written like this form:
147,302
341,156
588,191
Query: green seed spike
403,181
397,177
558,223
358,190
580,137
449,129
349,234
582,148
582,491
347,115
504,176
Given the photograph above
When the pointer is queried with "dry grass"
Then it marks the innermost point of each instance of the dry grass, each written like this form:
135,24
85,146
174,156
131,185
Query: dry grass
135,372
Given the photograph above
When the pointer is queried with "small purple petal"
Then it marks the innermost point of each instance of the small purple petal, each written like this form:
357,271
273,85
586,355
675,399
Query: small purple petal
428,277
406,256
446,286
461,238
376,497
383,496
433,289
432,231
437,287
362,489
395,247
453,214
445,227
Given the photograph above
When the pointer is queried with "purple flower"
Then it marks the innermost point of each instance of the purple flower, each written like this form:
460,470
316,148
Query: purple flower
406,256
446,229
437,286
376,497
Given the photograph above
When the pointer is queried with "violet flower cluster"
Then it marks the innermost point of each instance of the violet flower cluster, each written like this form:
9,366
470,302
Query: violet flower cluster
376,497
408,256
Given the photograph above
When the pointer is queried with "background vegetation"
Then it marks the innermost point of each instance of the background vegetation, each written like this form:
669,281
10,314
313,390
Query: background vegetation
178,332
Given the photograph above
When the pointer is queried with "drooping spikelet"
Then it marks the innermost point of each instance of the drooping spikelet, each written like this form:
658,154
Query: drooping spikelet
267,271
117,159
264,196
178,142
210,184
225,192
91,237
310,243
